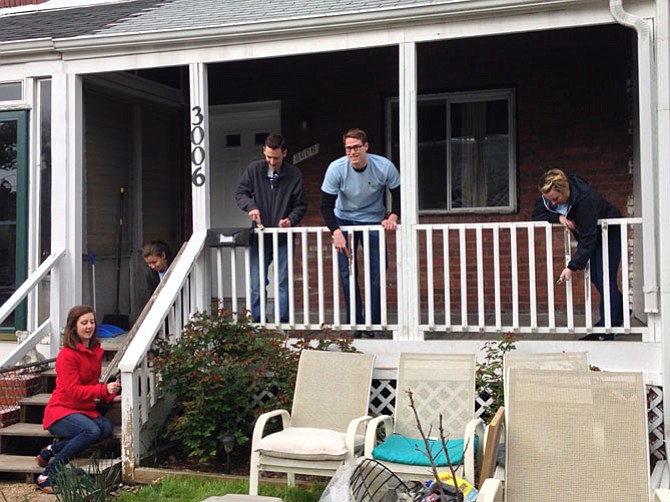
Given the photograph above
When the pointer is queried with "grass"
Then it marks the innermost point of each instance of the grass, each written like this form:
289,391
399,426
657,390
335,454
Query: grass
196,489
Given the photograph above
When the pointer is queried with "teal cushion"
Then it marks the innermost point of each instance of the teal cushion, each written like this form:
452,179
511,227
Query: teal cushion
404,450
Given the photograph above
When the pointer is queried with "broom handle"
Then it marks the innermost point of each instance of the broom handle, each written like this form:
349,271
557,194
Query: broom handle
118,254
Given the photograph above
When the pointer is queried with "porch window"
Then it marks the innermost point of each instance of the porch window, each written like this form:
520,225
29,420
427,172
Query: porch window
11,91
467,160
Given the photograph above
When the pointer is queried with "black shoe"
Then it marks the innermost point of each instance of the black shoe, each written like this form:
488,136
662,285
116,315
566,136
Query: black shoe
599,337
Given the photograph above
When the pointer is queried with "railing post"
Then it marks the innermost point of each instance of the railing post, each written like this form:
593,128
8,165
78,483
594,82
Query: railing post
408,266
66,198
200,185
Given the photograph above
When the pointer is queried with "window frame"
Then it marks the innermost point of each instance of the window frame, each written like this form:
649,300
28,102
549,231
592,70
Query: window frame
450,98
22,87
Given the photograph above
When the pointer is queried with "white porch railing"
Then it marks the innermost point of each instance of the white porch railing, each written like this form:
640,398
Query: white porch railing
29,286
473,277
501,277
315,297
177,298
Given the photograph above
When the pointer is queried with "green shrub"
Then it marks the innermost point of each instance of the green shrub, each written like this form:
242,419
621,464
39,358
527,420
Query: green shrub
217,370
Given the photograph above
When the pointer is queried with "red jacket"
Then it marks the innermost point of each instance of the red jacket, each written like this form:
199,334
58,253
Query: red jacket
77,386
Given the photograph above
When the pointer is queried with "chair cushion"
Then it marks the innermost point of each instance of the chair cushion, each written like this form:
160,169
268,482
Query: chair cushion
306,443
404,450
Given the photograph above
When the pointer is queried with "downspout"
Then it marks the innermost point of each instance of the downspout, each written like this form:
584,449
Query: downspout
647,134
648,158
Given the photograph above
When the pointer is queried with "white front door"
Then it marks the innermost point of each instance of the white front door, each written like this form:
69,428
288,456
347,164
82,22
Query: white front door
237,133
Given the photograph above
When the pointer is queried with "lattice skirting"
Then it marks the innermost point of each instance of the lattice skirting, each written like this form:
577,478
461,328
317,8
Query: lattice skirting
382,399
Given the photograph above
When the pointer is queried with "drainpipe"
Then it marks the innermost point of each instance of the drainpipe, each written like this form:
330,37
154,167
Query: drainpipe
647,134
648,158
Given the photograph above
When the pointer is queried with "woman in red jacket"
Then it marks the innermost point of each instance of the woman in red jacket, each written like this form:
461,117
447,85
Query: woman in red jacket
71,413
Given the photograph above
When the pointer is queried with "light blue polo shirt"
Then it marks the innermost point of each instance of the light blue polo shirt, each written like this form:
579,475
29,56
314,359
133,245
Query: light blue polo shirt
360,195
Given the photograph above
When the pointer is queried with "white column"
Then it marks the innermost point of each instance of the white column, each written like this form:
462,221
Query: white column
200,180
408,301
662,79
66,198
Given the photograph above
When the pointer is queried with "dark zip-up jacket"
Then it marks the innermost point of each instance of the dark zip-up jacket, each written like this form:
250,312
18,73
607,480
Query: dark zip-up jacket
286,199
585,207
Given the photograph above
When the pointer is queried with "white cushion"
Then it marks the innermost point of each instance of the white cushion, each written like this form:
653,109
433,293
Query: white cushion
306,443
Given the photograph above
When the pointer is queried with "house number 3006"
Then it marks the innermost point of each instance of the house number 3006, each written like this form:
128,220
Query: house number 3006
197,151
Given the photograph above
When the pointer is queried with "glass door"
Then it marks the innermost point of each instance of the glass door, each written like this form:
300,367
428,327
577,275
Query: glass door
13,211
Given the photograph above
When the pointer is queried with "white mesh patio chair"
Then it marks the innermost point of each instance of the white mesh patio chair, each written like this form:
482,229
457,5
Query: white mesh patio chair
442,384
326,425
570,361
574,435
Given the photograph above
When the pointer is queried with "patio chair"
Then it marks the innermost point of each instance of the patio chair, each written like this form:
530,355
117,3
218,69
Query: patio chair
326,425
545,361
574,435
442,384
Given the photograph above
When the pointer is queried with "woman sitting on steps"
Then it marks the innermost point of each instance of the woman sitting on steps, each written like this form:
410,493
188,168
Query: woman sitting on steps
71,413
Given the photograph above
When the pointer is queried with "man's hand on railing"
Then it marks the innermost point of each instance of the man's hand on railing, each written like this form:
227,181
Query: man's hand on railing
340,242
255,215
390,223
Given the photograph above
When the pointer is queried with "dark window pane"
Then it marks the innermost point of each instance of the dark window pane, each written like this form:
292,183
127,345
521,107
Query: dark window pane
432,126
479,154
259,138
233,140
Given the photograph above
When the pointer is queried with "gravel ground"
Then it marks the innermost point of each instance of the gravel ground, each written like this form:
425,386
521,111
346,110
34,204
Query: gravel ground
20,491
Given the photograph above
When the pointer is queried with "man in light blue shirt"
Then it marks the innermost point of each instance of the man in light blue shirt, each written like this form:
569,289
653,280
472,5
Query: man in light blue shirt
353,193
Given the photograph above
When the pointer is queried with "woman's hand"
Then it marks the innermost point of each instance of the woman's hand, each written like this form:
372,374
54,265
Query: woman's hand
566,275
113,388
569,224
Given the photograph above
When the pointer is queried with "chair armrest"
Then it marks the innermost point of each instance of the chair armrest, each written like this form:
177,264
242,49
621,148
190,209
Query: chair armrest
262,421
661,495
473,456
371,432
350,439
491,491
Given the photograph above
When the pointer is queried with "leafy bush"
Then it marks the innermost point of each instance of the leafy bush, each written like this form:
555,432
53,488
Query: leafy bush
217,370
489,378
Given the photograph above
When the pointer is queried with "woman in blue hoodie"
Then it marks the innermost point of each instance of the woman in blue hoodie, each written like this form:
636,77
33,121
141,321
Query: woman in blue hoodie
572,202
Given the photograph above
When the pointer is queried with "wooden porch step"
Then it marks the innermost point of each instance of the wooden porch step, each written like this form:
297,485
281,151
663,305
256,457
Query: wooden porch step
26,464
35,400
35,430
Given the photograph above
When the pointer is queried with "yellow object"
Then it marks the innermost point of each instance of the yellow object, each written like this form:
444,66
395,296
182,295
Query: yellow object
469,491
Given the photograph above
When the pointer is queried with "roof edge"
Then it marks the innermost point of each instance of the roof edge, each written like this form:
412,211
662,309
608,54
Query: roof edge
404,14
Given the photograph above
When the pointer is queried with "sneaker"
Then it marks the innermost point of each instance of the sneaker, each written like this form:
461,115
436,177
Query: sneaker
43,457
43,483
599,337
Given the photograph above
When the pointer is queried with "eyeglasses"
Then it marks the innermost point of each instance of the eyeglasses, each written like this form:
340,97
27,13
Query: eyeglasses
353,148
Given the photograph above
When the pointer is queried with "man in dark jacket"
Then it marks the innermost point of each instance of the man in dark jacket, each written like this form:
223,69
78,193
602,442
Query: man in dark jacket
572,202
271,192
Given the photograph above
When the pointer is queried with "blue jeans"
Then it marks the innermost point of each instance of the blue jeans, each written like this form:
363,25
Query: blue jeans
343,265
616,298
76,432
282,264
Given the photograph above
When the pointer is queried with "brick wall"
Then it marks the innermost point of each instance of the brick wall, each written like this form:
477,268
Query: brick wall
18,3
